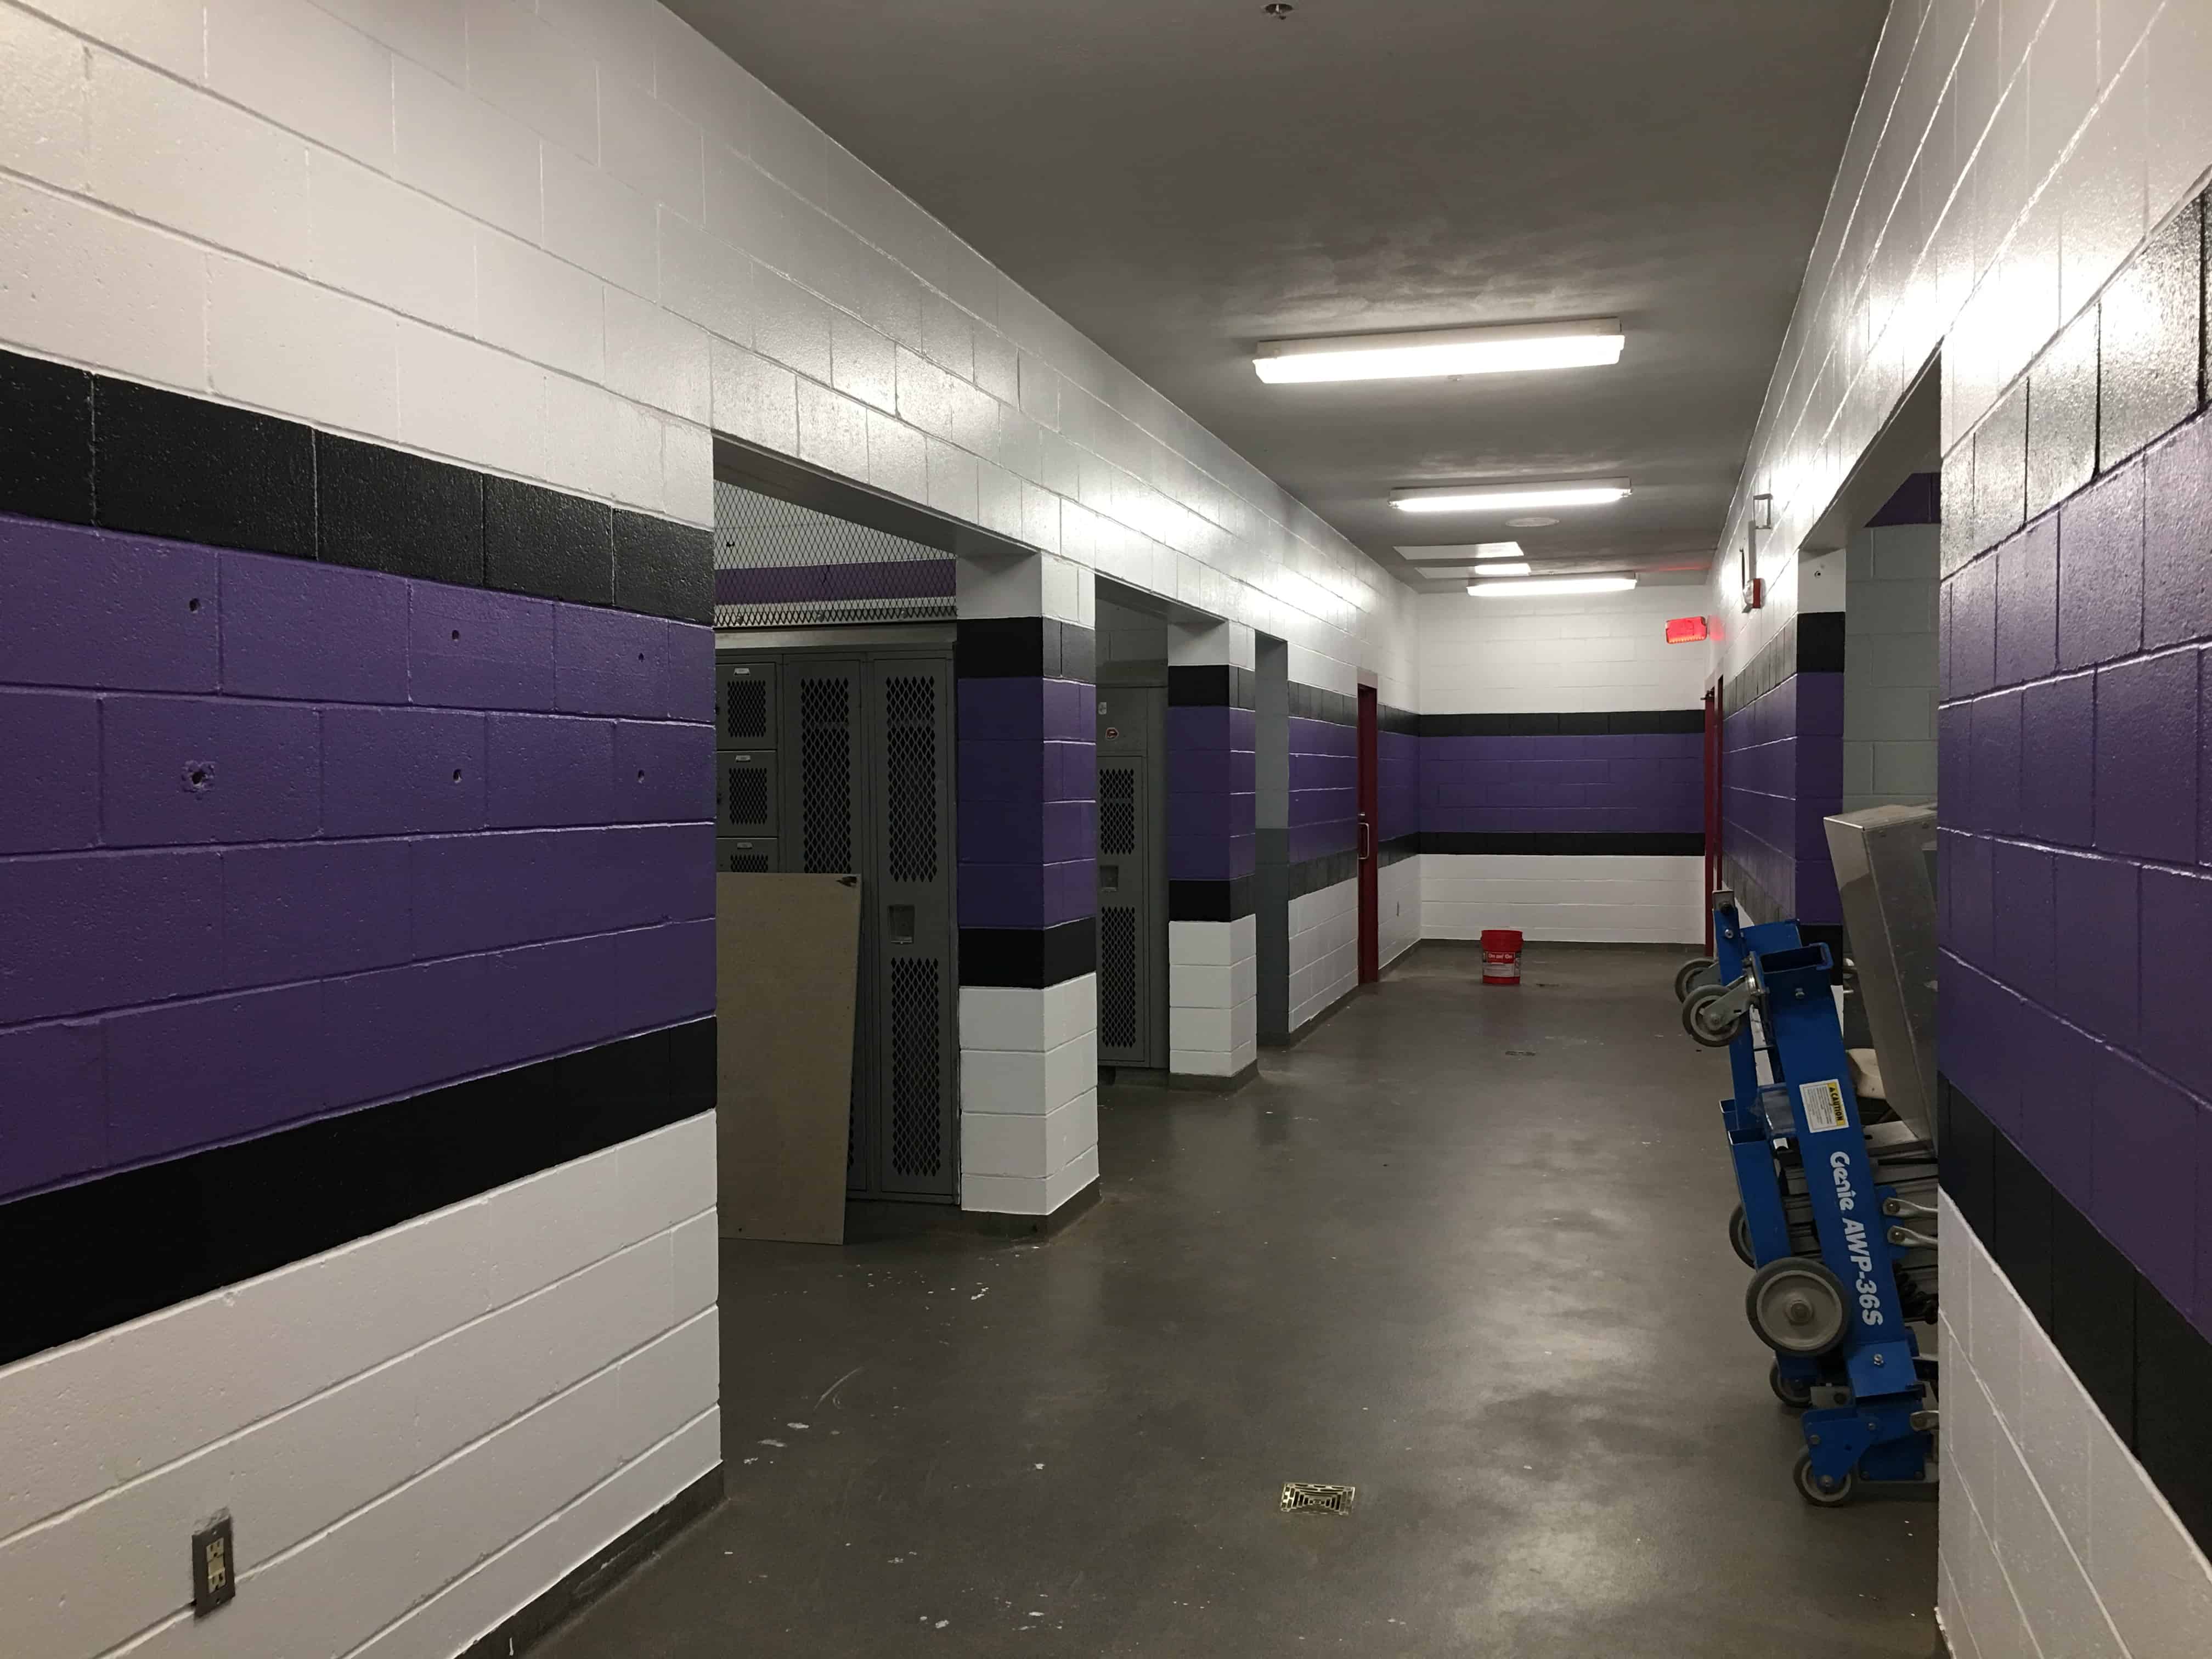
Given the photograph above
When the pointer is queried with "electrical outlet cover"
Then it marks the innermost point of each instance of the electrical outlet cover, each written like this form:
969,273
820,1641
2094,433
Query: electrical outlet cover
214,1565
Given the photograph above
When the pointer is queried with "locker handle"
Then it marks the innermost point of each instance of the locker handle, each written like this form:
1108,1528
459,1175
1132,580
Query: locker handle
901,924
1109,877
1366,841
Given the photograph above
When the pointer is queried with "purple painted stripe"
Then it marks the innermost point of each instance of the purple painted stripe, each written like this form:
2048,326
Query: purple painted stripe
1027,895
792,584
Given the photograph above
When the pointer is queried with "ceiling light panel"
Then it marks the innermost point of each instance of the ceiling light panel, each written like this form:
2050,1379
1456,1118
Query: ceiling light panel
1460,552
1510,350
1510,498
1552,587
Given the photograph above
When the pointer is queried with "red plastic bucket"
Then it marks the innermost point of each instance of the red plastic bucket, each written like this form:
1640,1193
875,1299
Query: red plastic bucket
1501,956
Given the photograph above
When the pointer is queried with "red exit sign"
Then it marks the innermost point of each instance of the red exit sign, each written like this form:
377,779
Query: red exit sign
1685,630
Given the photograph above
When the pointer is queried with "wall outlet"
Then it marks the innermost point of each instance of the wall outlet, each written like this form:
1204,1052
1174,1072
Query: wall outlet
214,1565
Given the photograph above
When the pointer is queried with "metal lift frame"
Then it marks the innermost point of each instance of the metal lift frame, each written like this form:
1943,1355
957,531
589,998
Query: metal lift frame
1868,1416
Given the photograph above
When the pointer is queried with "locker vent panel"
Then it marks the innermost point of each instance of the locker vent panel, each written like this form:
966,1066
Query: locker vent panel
825,776
748,788
917,1126
910,766
1117,810
748,863
1117,977
744,711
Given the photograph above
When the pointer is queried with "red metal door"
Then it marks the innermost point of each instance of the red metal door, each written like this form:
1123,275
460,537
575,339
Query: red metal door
1370,950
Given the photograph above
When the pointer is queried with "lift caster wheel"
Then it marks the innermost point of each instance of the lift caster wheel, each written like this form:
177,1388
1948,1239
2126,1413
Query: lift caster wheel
1699,970
1714,1033
1740,1237
1792,1391
1797,1307
1810,1488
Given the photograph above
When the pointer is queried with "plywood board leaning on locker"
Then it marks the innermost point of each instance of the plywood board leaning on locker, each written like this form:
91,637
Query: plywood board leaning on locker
787,955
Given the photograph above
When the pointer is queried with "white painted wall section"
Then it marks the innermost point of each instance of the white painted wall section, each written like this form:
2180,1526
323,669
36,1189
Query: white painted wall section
1213,991
1029,1094
1324,951
438,1421
1398,897
2053,1539
1605,899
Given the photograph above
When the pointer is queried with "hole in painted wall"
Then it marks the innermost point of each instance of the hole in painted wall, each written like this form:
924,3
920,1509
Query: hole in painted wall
191,605
457,633
457,775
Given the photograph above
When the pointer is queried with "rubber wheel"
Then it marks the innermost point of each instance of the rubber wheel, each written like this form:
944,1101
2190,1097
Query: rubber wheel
1809,1488
1699,970
1740,1237
1700,1028
1791,1392
1797,1307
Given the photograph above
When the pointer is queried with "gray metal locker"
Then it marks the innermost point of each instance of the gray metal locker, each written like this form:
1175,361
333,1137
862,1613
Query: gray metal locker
1133,926
842,764
915,1039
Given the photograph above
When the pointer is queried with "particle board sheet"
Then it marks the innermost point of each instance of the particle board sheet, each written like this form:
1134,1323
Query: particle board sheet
786,950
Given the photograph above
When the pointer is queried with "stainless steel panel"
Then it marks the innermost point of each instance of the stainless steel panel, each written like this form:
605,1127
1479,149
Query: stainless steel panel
1884,863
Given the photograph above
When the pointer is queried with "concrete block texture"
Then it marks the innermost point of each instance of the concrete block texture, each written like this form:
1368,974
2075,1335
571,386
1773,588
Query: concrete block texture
427,1397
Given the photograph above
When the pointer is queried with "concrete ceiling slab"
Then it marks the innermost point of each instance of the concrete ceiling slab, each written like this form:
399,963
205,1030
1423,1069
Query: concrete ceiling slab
1182,179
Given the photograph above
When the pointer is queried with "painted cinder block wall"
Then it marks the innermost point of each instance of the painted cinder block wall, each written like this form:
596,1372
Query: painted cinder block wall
1559,768
2005,164
1782,773
359,939
558,246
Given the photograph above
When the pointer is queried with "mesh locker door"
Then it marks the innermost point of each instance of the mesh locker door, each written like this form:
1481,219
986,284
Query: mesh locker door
744,793
824,830
916,1040
744,858
1123,992
745,699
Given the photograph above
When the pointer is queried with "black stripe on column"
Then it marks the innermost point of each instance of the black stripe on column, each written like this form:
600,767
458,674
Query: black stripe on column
81,448
85,1258
1314,702
1029,957
1210,901
1327,871
1023,648
1214,685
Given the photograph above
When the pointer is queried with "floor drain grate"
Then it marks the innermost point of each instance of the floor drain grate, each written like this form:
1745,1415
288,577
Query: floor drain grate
1318,1495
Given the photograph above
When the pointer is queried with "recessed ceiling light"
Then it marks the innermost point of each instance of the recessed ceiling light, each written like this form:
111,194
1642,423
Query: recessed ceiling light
1498,498
1533,521
1552,585
1440,351
1458,552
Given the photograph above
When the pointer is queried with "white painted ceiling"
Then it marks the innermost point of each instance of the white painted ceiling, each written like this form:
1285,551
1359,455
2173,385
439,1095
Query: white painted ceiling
1181,178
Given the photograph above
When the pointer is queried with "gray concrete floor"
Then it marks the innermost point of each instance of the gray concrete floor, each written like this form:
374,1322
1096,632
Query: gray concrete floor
1461,1247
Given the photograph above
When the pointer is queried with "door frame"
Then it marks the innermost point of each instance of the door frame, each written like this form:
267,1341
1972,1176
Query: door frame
1371,906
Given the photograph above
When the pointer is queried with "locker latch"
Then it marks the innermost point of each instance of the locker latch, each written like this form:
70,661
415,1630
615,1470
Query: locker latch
901,924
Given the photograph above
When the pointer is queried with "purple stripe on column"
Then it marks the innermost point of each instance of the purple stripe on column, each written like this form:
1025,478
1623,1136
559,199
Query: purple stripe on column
792,584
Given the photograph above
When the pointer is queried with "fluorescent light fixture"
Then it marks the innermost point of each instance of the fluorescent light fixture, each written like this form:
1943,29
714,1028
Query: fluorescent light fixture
1440,351
1553,586
1510,498
1489,570
1459,553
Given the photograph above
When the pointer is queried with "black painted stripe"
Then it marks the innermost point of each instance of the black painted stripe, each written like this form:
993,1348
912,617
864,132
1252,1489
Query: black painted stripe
1314,702
1210,901
1653,844
2147,1367
1216,685
1403,721
1327,871
1618,722
85,1258
83,448
1398,848
1023,648
1029,957
1811,642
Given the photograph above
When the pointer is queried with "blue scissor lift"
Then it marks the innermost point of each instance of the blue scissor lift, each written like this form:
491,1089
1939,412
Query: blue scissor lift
1835,1320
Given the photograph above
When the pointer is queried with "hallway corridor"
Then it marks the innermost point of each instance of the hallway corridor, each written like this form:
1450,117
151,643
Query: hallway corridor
1461,1249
